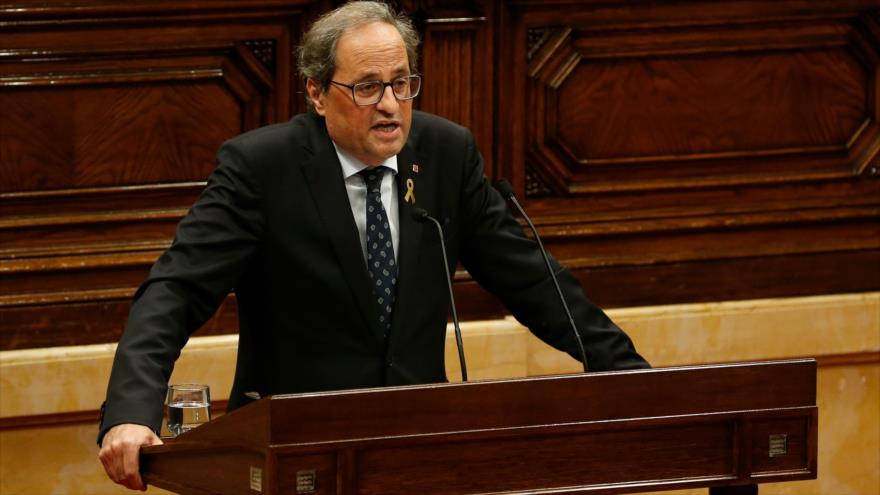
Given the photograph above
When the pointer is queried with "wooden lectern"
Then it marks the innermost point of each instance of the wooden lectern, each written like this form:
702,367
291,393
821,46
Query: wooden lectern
726,427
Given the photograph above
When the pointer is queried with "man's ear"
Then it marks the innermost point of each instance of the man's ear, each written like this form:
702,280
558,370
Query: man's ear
316,95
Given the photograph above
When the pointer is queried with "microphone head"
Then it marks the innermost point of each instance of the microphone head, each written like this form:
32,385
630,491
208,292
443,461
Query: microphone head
419,214
505,188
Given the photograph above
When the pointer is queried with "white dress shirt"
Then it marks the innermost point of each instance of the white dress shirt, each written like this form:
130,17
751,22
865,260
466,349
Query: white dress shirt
357,196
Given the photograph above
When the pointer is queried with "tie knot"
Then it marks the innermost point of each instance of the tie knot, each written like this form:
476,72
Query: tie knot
373,177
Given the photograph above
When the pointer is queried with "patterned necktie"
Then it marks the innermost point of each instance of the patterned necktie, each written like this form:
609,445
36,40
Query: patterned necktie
380,250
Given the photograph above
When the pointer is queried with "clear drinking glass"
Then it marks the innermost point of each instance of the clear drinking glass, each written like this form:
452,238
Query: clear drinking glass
188,405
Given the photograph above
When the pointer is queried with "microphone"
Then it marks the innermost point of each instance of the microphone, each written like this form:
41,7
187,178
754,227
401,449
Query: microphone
421,215
506,191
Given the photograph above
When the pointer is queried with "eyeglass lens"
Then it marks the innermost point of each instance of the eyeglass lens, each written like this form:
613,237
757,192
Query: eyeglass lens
370,92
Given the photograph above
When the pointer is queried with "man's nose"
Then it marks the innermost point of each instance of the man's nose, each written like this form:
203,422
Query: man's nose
388,103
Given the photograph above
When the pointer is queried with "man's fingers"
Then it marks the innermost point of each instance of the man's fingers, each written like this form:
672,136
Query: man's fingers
130,464
107,461
110,457
120,453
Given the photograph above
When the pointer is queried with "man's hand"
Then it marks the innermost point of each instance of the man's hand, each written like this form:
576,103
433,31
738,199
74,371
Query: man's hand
119,453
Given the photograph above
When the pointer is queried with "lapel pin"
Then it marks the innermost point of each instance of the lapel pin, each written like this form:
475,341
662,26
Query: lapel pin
415,168
410,196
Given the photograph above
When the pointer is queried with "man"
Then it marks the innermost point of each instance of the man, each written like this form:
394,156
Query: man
311,222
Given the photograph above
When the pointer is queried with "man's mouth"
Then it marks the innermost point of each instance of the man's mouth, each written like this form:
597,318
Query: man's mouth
386,126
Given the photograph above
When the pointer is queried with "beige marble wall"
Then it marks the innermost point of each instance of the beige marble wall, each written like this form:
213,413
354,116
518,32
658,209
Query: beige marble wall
68,379
62,459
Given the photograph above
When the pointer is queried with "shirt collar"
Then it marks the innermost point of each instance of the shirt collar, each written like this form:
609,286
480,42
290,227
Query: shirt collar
351,165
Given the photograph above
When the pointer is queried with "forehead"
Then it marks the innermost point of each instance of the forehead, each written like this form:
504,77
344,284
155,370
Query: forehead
371,48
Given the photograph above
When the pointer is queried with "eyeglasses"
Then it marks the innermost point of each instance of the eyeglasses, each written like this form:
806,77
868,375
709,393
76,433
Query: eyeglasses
370,92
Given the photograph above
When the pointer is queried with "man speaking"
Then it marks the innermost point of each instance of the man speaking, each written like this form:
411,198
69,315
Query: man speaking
312,224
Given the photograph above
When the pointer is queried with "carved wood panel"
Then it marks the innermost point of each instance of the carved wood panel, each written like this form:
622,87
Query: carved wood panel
112,116
691,151
457,63
702,107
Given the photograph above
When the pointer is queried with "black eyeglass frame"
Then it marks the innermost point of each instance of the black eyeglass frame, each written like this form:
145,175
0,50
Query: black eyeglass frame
381,93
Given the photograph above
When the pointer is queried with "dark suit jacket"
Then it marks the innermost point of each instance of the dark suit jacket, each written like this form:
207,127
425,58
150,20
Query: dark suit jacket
275,225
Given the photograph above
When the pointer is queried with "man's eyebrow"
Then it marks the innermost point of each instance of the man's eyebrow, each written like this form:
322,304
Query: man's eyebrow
371,75
374,75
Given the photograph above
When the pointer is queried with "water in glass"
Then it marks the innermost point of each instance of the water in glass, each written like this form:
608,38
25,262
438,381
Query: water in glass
188,406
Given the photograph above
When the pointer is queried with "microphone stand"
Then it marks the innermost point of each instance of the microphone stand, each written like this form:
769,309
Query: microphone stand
506,191
422,215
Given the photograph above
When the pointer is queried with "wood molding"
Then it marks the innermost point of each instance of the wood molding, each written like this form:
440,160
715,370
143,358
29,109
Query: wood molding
80,12
57,319
852,359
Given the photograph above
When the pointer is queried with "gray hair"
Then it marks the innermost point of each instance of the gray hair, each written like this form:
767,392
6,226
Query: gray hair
317,52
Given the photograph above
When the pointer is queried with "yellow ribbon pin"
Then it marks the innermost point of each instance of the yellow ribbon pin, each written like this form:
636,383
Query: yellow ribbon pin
410,193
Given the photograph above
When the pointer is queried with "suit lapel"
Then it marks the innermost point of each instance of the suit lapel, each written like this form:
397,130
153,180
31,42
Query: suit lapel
324,174
410,236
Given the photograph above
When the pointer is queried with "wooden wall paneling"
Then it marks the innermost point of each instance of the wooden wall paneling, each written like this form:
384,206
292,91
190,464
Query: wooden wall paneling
864,41
666,276
457,64
661,147
698,135
83,318
666,118
514,43
678,282
764,277
112,116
